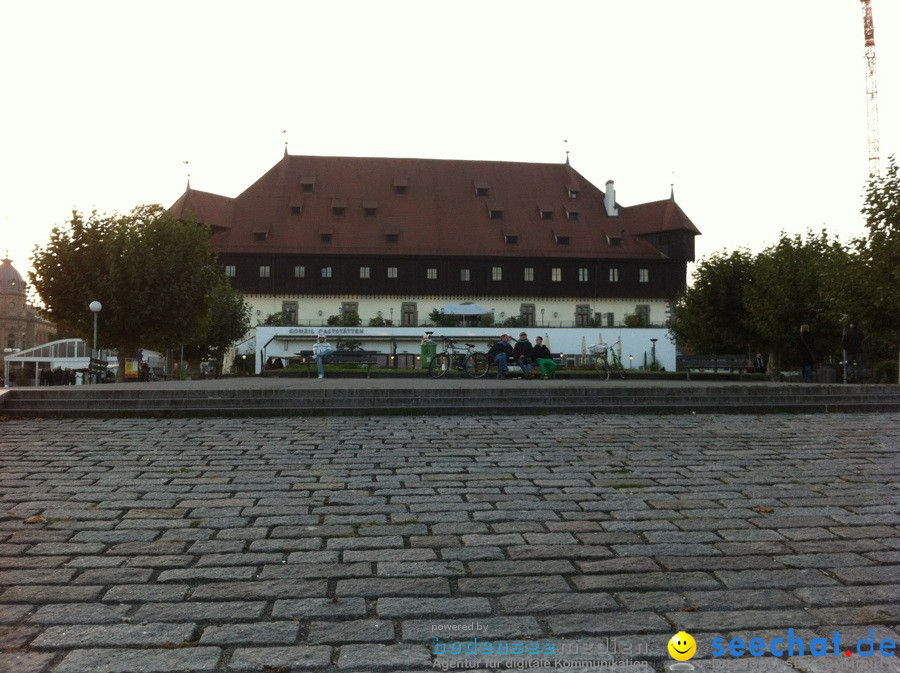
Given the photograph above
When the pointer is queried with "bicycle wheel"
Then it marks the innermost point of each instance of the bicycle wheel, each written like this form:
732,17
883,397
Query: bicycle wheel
602,369
477,365
440,363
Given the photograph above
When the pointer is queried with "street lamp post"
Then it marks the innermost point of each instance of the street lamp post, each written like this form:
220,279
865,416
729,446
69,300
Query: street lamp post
653,353
95,307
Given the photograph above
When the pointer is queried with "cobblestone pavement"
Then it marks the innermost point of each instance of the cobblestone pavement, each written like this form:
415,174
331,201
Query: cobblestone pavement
387,544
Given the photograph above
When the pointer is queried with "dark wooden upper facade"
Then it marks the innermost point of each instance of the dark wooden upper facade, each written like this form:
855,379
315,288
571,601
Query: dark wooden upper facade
344,225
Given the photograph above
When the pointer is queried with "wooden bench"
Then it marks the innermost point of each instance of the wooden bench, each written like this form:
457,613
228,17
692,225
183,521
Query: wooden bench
341,357
715,363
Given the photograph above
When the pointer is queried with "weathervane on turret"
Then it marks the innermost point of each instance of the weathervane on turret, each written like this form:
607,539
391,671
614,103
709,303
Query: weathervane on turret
188,169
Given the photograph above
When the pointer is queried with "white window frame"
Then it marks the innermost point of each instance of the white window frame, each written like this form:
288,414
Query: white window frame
496,273
556,274
265,271
614,274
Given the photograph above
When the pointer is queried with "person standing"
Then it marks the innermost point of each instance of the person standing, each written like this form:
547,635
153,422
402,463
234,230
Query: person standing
522,353
544,360
321,351
806,352
852,344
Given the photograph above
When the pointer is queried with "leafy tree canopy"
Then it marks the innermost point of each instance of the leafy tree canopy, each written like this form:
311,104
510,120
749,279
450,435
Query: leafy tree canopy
741,303
152,273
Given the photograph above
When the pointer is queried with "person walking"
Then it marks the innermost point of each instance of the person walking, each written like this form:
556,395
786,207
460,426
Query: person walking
852,343
806,352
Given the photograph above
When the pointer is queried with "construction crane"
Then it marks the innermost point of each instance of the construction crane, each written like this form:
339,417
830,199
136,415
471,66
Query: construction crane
871,90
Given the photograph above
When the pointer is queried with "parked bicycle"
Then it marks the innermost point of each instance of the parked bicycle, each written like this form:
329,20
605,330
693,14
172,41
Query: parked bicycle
607,360
470,361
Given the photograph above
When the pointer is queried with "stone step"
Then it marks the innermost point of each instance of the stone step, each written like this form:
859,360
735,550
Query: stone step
400,397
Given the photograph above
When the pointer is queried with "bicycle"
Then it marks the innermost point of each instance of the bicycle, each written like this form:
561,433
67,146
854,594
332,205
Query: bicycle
607,360
470,361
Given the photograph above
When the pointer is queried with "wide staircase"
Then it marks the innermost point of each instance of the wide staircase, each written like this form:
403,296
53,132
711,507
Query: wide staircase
401,397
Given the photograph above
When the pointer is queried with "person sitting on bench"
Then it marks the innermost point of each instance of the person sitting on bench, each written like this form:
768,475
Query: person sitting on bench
322,350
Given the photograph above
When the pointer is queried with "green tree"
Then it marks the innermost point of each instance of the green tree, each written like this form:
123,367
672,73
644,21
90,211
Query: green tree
348,319
709,315
440,319
279,319
152,273
870,290
790,284
227,320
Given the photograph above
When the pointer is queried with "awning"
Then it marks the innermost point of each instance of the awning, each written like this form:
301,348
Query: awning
464,309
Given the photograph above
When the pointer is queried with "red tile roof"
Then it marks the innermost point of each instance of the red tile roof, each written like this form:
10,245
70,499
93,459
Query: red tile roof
440,212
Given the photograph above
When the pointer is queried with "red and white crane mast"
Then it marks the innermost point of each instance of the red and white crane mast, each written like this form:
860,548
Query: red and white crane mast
871,90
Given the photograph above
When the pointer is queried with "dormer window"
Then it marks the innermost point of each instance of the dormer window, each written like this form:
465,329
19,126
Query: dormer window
495,213
574,193
307,184
338,207
260,236
482,188
615,241
562,240
297,205
325,238
370,208
572,215
511,239
401,186
546,213
391,238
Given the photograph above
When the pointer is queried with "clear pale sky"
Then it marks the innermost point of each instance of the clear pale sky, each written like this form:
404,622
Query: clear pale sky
755,110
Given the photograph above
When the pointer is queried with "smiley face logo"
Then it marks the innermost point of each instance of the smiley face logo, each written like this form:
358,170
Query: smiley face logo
682,646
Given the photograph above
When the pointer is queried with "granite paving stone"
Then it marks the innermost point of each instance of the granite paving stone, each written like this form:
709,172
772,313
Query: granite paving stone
334,544
123,660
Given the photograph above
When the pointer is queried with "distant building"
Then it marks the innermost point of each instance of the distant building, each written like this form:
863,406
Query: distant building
21,326
398,238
